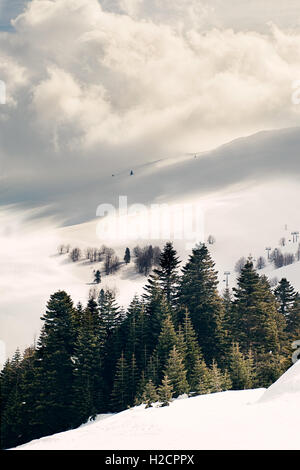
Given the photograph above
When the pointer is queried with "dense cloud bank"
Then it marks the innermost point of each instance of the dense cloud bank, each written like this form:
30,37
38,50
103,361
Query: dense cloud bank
94,90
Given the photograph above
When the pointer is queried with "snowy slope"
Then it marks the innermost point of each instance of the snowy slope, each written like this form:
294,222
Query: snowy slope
251,419
244,210
291,273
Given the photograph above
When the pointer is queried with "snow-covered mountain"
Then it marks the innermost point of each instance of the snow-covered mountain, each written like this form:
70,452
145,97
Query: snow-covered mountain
248,200
250,419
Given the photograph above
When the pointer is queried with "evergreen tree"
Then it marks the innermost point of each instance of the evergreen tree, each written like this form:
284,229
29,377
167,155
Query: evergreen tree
269,367
192,351
97,277
109,311
256,321
134,331
199,294
227,324
140,389
127,256
285,295
167,273
150,394
200,381
120,394
11,404
156,310
133,379
54,372
241,369
165,391
219,381
166,341
153,370
88,381
176,373
293,319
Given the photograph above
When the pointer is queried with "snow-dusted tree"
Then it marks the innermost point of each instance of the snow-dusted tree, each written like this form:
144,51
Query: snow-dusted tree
261,263
75,254
240,264
211,240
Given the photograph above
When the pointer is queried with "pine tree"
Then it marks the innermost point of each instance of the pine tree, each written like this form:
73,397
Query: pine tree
240,368
200,381
12,424
120,394
88,381
54,374
150,394
133,379
168,273
192,351
153,370
166,341
293,319
199,294
219,381
134,331
256,321
285,295
227,324
97,277
176,373
109,311
165,391
140,389
127,256
156,310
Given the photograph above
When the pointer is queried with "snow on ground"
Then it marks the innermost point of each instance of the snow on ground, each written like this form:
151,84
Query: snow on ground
31,269
245,216
247,420
287,387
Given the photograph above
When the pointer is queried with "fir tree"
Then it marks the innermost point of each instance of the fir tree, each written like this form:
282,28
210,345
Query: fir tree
165,391
150,394
88,382
127,256
241,369
54,373
153,370
219,381
176,373
97,277
285,295
133,379
293,319
109,311
156,310
199,294
200,381
166,341
120,394
192,351
168,273
256,321
227,323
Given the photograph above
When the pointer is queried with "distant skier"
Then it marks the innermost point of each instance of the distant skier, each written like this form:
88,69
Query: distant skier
131,173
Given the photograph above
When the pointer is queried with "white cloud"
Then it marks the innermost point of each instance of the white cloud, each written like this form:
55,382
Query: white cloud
136,83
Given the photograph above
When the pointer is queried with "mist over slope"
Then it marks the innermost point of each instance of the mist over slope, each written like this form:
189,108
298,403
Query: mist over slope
247,191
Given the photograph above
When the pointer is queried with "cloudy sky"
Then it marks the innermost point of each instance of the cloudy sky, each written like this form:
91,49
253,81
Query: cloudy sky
95,88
